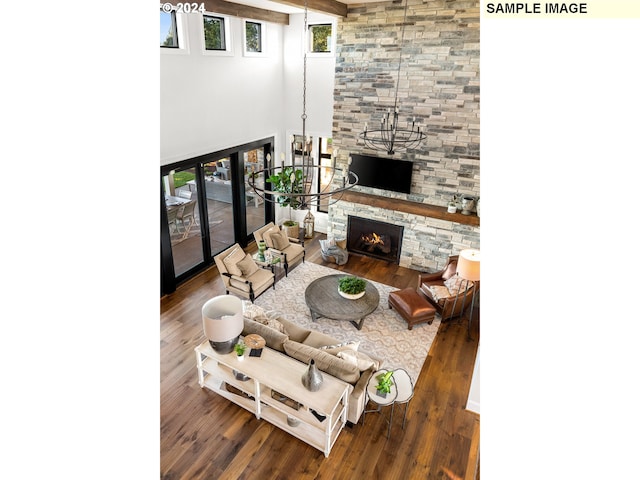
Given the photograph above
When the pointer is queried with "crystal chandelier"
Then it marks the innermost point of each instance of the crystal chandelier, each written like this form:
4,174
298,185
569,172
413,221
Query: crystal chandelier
389,136
292,186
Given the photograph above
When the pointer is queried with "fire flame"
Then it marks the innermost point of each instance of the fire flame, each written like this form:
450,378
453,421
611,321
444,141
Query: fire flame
373,239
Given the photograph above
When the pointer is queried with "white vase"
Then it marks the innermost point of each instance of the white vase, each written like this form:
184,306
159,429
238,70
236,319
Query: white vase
351,296
240,357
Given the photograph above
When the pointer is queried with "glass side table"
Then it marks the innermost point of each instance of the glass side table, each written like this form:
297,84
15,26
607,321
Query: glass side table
374,396
272,262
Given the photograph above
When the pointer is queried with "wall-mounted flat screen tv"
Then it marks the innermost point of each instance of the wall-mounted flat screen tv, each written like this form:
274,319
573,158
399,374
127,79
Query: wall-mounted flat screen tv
383,173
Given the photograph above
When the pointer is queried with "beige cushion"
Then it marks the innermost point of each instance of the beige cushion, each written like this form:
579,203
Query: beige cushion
342,243
318,339
272,323
259,279
260,315
280,240
362,360
247,266
231,261
338,347
251,310
439,291
274,338
295,331
457,283
326,362
266,236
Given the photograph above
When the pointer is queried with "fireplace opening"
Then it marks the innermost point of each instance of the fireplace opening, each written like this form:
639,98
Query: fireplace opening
374,239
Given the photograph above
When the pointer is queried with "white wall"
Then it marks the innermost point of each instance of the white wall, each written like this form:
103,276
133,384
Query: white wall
473,401
209,103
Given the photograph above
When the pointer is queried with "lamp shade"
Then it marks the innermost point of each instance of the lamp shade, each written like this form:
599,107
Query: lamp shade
469,265
222,322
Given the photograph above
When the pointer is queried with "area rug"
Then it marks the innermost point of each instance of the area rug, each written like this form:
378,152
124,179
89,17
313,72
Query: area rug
384,333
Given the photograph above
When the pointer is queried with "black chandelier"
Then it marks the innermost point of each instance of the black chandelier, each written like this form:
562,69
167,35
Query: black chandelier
389,136
292,186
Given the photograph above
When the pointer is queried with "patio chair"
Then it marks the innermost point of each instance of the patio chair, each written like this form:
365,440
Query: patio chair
172,218
187,212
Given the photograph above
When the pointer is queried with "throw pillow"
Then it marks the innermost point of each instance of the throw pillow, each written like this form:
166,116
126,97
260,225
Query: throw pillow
362,360
342,243
439,291
350,345
231,261
266,236
251,310
457,283
247,266
280,240
450,272
271,323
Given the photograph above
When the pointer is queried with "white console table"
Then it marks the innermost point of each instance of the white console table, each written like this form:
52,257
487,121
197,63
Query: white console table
275,372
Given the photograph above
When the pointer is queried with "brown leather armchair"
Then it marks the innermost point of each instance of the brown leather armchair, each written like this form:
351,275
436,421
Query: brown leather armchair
448,305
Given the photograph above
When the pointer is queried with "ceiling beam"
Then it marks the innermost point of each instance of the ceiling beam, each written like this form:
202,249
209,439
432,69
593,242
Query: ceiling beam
332,7
244,11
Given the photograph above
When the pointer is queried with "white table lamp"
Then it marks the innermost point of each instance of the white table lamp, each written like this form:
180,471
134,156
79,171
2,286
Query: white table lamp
222,322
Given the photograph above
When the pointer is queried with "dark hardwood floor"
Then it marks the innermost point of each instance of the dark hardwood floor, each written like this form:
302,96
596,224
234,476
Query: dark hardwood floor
204,436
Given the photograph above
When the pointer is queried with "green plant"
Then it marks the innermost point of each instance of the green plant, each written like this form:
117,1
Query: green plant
240,348
288,182
384,382
352,285
289,223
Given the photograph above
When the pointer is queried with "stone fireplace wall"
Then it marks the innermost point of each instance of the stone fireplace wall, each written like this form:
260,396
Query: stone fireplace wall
439,85
426,243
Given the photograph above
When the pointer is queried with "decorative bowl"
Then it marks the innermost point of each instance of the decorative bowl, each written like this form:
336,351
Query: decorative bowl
351,296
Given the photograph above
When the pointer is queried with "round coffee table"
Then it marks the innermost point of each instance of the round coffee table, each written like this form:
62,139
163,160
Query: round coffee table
323,300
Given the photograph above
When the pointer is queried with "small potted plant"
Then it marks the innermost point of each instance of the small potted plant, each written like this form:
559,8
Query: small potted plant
351,287
384,384
452,206
240,348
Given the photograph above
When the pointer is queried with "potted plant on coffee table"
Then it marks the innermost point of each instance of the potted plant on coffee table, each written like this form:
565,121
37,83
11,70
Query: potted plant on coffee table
351,287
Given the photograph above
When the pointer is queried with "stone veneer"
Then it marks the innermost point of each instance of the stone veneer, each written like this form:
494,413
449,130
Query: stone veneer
439,85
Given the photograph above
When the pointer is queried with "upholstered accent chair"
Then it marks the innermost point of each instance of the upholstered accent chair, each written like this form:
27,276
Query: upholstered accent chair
446,291
290,249
241,275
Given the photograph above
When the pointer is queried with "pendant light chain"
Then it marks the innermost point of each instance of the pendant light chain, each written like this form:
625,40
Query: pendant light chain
404,23
389,136
304,75
299,194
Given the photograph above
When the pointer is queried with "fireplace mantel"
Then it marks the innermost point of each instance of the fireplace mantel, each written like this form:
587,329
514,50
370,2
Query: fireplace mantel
415,208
